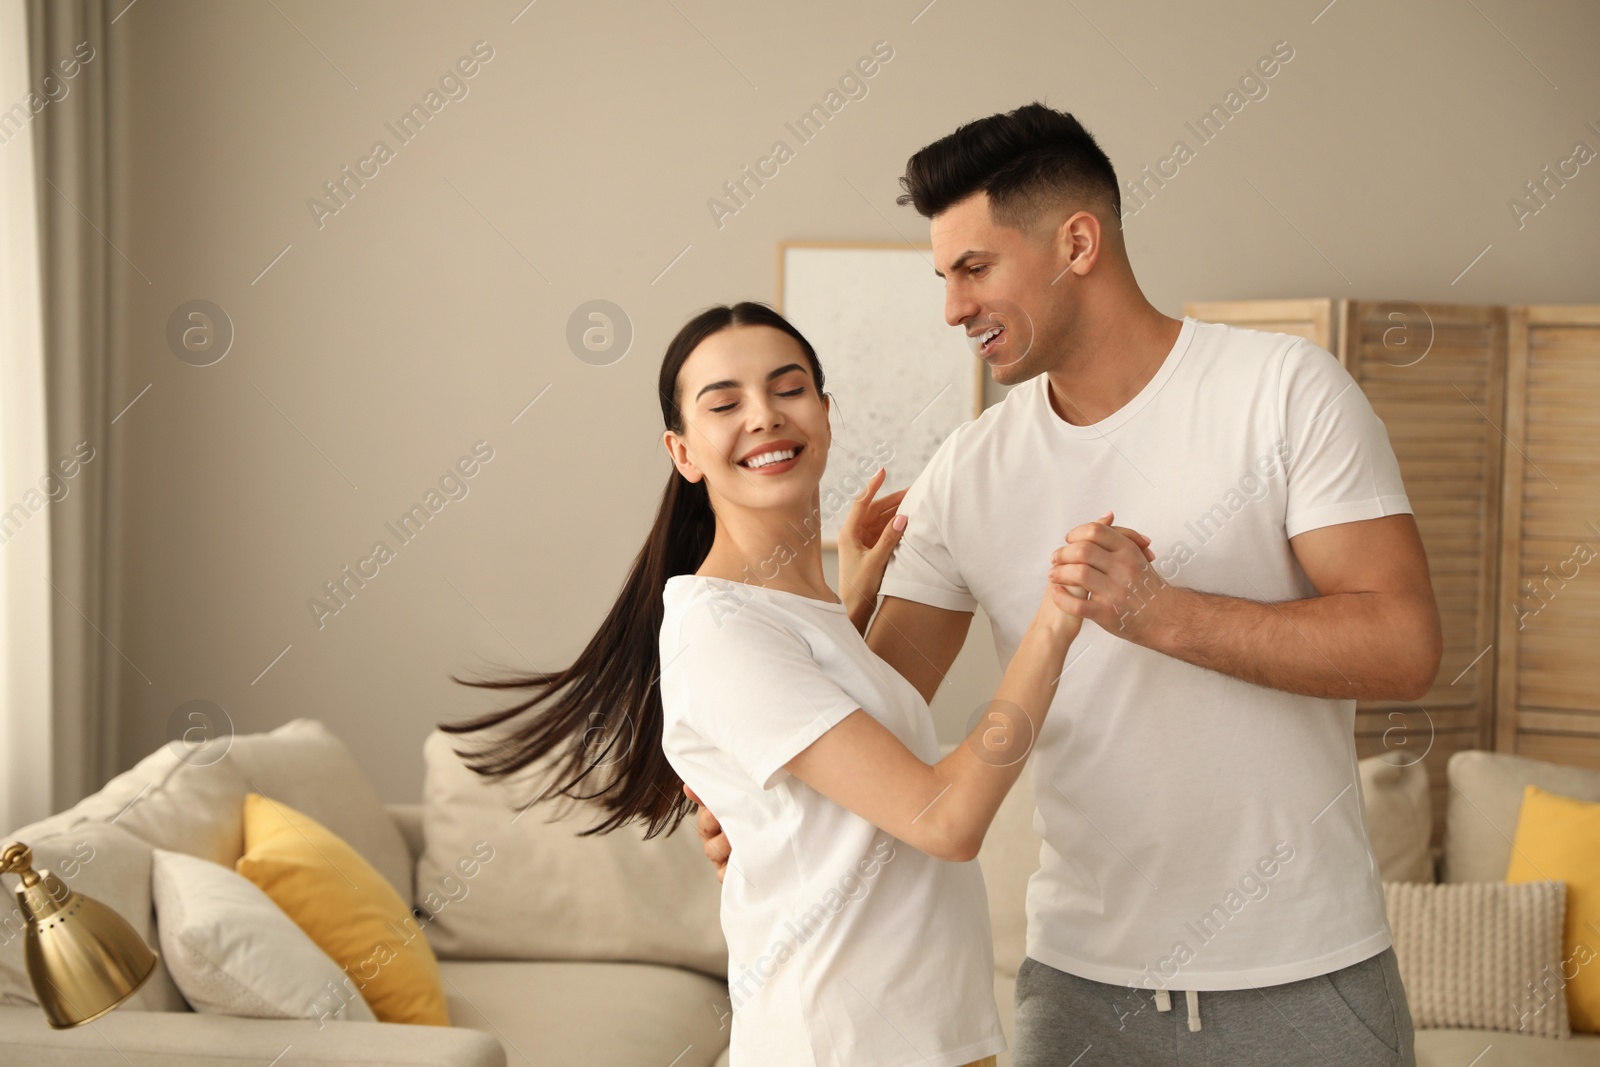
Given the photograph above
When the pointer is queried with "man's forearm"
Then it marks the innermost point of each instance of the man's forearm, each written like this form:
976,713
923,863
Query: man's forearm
1366,646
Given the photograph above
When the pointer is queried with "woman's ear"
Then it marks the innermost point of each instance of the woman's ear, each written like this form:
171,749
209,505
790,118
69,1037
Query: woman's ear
678,451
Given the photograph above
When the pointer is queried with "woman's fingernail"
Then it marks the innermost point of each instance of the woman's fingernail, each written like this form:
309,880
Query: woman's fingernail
899,522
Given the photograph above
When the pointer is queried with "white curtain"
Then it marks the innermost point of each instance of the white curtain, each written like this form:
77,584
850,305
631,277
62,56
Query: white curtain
27,786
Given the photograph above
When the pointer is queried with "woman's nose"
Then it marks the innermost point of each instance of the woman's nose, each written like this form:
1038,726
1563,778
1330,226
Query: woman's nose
763,414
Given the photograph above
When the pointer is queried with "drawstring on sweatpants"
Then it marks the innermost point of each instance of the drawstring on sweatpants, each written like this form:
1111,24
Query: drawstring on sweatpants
1164,1003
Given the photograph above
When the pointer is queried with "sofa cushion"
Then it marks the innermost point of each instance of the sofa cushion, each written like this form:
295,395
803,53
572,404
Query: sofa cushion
1481,955
107,863
232,951
1558,837
189,1039
1399,816
1485,800
499,883
306,766
594,1014
346,907
188,798
1474,1048
188,805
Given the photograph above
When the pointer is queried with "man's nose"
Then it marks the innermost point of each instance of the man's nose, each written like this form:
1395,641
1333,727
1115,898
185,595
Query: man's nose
958,308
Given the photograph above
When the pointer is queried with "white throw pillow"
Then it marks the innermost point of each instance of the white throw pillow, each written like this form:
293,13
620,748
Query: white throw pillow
108,864
1482,955
232,951
503,885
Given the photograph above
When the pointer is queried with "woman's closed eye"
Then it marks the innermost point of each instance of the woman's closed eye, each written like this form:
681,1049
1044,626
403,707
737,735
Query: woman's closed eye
792,392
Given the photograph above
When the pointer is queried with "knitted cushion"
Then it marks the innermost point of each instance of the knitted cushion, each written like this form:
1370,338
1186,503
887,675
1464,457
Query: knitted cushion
1482,955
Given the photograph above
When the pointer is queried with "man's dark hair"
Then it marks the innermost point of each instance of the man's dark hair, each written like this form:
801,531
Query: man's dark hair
1028,160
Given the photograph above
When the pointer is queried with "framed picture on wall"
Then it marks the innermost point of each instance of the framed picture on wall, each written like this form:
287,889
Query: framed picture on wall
900,378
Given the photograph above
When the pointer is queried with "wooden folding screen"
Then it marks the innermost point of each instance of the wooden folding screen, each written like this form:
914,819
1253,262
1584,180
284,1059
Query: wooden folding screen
1548,704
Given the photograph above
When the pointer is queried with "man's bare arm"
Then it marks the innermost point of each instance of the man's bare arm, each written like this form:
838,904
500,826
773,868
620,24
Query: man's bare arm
1371,633
918,640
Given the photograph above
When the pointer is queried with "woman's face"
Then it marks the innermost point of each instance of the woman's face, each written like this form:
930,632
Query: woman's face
747,396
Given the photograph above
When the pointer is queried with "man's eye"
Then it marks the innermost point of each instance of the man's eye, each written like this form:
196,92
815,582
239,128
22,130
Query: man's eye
978,269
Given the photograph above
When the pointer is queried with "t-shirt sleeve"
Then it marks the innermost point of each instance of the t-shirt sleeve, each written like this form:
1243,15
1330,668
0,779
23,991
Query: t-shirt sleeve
754,690
1341,467
922,567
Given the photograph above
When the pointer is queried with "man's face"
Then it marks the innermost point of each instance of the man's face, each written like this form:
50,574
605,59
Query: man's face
998,288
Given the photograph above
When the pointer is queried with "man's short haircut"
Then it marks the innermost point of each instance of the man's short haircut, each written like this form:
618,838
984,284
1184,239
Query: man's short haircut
1030,161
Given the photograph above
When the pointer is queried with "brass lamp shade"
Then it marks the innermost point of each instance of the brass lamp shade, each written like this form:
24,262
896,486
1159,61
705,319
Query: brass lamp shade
83,958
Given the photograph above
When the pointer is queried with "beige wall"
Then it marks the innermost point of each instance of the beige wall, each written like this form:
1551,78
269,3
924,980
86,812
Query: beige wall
433,307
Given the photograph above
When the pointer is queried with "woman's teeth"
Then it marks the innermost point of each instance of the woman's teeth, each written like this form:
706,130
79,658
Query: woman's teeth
766,459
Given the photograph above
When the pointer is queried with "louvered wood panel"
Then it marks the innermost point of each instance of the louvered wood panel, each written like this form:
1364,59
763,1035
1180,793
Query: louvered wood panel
1316,320
1548,703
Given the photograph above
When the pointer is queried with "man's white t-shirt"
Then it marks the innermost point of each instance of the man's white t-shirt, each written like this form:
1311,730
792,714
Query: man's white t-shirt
845,945
1200,832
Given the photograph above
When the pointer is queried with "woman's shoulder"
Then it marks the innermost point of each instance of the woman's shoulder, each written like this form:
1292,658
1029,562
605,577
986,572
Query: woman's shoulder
702,607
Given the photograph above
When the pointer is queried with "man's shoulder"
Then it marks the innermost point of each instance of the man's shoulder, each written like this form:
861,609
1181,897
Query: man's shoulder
969,442
1248,344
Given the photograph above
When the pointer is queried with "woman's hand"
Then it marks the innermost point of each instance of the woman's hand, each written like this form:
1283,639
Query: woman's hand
868,536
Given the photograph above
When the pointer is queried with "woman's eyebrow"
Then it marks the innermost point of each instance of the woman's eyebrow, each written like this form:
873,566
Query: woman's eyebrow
729,383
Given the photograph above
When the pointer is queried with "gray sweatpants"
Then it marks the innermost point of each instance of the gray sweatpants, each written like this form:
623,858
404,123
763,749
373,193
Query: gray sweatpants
1353,1017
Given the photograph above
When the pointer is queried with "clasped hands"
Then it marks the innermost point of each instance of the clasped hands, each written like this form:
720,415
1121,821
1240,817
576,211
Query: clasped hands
1112,564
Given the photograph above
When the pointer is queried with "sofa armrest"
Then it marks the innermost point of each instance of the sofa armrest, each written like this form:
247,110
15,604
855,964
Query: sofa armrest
190,1039
409,818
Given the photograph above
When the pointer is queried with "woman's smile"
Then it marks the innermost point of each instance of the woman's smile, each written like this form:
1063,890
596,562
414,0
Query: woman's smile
770,461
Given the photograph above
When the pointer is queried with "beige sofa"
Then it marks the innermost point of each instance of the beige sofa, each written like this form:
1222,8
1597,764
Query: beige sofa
597,951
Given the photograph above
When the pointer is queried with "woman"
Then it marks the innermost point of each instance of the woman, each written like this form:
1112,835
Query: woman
845,946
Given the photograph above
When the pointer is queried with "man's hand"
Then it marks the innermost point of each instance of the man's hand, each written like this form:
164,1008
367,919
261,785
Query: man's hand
1113,564
712,839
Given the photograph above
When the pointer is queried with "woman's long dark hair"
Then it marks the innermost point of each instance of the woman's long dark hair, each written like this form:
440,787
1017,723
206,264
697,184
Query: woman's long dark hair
603,722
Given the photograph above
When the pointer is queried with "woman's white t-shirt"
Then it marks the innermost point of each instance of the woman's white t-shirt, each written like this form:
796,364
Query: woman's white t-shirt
846,946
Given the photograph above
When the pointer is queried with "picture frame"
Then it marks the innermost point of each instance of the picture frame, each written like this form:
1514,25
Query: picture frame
900,378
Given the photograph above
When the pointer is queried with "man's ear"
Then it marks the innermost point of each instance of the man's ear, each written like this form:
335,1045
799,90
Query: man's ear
1078,239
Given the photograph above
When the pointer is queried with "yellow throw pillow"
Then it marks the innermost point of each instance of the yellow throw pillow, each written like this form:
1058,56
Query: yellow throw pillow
347,908
1558,838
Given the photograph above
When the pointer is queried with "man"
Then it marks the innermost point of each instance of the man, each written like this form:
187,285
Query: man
1196,784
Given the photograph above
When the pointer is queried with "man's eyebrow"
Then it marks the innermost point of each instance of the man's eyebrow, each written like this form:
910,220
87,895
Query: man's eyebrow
729,383
962,259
